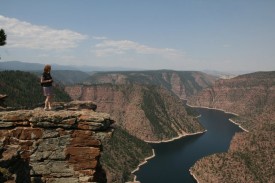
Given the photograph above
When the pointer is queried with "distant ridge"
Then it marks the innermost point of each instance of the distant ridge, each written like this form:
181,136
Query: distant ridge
25,66
181,83
22,66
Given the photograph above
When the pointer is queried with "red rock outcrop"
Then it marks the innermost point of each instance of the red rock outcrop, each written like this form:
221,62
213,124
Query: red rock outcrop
251,155
251,96
147,112
53,146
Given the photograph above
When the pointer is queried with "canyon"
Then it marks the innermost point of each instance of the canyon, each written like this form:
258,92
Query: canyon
150,113
145,103
146,106
251,154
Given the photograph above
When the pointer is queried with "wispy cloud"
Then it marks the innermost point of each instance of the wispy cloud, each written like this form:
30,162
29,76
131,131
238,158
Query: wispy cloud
22,34
116,47
99,37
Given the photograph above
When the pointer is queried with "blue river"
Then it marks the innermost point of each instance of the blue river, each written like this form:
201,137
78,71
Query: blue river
174,159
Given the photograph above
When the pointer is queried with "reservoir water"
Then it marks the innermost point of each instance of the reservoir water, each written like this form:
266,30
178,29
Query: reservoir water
174,159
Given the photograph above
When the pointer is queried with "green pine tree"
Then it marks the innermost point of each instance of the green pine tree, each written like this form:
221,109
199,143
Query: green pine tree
3,37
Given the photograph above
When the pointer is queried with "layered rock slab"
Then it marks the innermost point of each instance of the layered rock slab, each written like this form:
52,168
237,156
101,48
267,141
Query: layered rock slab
52,146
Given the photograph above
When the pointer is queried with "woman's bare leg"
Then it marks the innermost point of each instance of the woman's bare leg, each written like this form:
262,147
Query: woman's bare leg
46,103
50,102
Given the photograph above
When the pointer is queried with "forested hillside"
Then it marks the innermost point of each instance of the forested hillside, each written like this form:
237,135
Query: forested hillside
122,154
24,90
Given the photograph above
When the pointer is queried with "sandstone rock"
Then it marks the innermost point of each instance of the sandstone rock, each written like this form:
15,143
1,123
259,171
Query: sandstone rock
53,146
2,100
76,105
251,155
62,180
6,124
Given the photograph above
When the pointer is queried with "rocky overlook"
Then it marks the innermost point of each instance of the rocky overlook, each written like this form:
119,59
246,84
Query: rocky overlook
251,154
118,157
150,113
53,146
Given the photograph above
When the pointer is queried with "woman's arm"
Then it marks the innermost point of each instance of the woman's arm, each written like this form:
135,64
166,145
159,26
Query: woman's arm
45,81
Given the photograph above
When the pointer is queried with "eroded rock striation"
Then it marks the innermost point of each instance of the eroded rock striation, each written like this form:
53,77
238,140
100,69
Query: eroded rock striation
251,155
150,113
250,96
53,146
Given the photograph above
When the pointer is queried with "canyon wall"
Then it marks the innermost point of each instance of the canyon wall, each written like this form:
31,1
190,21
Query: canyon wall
181,83
251,96
251,154
148,112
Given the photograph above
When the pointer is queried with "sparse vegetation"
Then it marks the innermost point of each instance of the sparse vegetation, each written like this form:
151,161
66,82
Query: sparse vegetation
122,154
251,155
158,112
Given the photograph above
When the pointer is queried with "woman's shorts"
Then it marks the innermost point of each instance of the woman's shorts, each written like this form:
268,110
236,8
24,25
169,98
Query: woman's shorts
47,91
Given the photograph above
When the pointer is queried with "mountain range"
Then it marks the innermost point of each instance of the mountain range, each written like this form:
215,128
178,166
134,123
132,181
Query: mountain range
26,66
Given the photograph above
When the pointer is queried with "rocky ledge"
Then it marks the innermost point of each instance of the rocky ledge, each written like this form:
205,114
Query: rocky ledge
53,146
2,100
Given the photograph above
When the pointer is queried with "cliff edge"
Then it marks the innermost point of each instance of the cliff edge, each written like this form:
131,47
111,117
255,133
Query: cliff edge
53,146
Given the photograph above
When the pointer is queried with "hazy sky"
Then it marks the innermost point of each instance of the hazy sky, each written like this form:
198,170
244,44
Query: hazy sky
149,34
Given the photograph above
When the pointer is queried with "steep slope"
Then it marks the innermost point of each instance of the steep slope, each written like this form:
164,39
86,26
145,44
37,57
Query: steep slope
24,90
251,155
251,96
121,155
181,83
148,112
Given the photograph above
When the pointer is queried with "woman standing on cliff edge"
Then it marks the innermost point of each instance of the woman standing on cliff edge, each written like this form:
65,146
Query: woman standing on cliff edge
46,82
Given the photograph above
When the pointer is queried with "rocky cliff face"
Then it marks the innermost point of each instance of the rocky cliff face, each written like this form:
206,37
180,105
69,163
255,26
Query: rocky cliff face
147,112
181,83
251,96
251,155
250,159
53,146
